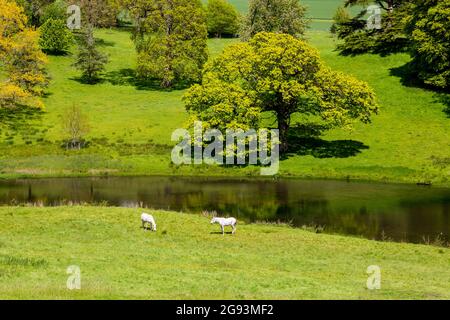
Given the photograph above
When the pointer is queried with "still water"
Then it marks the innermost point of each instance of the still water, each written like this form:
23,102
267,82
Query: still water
375,211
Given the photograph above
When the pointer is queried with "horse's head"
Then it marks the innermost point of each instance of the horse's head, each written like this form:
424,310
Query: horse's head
213,220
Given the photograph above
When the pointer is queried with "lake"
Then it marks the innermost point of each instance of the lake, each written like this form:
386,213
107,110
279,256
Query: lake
372,210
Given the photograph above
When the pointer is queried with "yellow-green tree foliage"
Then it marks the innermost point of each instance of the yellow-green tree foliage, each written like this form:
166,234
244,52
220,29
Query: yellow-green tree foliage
278,16
279,74
429,29
98,13
171,39
22,61
222,18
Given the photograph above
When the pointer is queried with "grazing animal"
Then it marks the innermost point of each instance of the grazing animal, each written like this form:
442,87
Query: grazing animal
148,218
225,222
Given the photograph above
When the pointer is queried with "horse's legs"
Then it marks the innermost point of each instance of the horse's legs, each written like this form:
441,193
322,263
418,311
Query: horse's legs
223,230
143,225
234,229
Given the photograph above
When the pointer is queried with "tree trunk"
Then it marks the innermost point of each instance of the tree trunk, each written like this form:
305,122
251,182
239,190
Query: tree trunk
166,82
283,127
390,6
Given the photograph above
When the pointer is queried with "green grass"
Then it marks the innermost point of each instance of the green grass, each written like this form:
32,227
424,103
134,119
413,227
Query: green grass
187,259
132,125
320,12
317,9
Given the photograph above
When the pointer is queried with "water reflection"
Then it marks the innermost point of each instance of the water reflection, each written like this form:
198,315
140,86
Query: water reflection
399,212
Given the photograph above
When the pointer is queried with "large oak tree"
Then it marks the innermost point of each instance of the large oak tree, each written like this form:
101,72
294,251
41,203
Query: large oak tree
280,74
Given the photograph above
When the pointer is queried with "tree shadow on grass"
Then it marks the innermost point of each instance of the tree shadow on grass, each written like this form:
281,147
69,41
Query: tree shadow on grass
18,119
57,53
84,80
444,99
408,78
305,140
129,77
104,43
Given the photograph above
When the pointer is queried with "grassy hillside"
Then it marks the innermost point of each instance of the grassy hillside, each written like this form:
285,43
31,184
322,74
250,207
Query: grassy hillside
188,259
132,122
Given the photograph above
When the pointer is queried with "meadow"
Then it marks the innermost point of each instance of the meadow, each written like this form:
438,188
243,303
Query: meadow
320,12
131,122
131,125
190,259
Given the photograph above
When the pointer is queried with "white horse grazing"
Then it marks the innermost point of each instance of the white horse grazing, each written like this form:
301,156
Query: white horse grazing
225,222
148,218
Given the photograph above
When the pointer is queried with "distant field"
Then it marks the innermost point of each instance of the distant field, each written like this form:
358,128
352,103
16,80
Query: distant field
320,11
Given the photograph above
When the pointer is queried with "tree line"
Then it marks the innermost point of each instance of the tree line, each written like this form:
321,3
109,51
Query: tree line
272,70
420,27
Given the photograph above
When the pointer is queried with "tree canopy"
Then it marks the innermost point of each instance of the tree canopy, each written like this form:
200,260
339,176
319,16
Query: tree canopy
279,16
21,59
55,37
170,39
88,59
428,27
99,13
56,10
279,74
387,5
358,38
222,18
34,9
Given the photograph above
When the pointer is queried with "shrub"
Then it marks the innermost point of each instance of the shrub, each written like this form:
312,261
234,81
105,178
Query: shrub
55,36
222,18
75,126
55,11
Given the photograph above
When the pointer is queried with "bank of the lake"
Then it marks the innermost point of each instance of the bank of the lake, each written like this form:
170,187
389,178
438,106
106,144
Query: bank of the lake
399,212
187,258
131,125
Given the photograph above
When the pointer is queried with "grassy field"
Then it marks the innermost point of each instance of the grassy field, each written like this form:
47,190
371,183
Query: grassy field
188,259
131,125
319,11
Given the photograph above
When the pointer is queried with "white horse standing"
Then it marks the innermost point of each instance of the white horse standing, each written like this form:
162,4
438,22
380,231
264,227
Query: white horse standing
148,218
225,222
